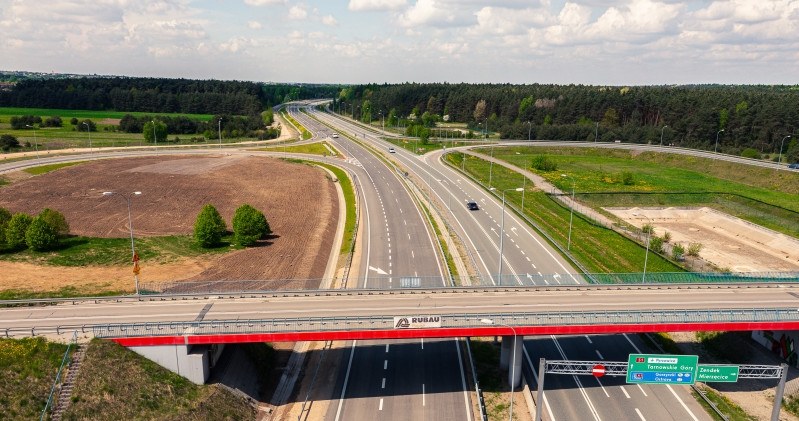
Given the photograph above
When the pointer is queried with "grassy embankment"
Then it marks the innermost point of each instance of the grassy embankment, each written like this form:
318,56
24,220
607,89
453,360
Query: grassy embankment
28,369
349,198
493,381
317,148
304,133
117,384
599,249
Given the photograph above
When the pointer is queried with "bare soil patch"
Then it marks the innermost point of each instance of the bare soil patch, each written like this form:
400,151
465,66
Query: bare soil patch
299,201
727,241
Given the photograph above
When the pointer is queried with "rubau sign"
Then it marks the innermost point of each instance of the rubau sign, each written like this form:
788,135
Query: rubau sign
416,322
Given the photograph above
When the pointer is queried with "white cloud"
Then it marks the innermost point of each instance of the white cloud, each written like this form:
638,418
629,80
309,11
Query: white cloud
375,5
254,25
329,20
298,12
263,2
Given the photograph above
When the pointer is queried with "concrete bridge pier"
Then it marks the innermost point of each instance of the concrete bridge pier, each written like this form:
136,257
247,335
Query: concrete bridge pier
193,362
506,354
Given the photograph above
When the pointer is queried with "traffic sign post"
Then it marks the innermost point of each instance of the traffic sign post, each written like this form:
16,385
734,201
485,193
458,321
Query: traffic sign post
598,370
658,368
717,373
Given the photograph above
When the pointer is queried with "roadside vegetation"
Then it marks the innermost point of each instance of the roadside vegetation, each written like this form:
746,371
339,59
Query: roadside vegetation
28,369
43,169
599,249
317,148
304,133
762,196
349,199
493,381
145,391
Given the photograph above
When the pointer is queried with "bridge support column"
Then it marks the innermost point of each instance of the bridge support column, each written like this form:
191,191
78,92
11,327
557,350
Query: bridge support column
191,362
515,373
504,352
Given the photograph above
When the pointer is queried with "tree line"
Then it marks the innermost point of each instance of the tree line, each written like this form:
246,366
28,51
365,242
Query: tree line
157,95
751,116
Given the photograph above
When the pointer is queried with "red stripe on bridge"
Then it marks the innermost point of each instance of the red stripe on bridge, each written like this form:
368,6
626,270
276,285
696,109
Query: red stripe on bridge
343,335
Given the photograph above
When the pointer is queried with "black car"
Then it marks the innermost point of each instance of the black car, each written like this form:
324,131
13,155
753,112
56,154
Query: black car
794,166
472,205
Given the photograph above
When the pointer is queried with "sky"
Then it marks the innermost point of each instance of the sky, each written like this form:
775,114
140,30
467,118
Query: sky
595,42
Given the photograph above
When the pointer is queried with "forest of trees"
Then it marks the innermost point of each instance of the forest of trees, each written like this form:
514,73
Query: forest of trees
752,117
158,95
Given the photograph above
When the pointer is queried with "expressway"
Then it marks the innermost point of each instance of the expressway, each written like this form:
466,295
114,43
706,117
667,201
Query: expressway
521,257
398,243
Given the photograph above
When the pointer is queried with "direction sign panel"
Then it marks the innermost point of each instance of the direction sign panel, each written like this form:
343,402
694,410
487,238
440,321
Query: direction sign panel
717,373
657,368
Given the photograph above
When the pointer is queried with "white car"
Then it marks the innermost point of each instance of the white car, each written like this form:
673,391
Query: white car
391,150
334,135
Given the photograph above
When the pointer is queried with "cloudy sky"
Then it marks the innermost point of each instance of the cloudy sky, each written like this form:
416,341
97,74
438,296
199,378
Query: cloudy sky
620,42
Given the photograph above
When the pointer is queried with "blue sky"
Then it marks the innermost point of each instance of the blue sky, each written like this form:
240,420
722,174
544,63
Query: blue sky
629,42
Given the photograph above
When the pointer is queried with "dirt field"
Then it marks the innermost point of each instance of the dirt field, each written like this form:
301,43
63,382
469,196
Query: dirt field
299,201
728,242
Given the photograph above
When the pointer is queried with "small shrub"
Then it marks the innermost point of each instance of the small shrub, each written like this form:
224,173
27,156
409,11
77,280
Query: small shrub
15,231
249,225
627,178
677,251
40,235
56,220
656,244
694,249
543,163
666,236
8,142
648,229
750,153
209,227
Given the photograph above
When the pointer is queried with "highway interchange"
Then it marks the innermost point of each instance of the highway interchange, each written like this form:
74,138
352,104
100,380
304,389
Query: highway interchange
396,379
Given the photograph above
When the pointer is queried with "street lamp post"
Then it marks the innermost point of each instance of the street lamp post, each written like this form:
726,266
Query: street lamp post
491,167
130,225
89,131
502,230
648,237
529,130
512,364
779,160
571,212
155,136
717,140
36,145
661,134
596,131
219,130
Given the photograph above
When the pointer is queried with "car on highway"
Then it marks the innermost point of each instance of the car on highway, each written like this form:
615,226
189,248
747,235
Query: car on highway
794,166
391,150
334,135
472,205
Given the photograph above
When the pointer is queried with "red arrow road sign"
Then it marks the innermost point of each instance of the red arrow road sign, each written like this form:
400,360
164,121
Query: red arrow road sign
598,370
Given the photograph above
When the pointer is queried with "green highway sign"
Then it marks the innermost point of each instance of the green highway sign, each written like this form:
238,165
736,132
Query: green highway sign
717,373
662,368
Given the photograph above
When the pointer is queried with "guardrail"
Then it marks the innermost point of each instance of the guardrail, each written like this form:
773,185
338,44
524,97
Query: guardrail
463,320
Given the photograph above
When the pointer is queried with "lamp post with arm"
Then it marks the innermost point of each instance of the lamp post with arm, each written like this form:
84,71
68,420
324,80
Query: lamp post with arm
571,212
130,225
502,230
779,160
35,143
661,134
529,130
717,141
648,237
89,132
512,364
219,130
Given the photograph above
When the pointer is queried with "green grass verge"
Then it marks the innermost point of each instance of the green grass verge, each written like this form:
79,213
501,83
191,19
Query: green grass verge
762,196
495,391
599,249
304,133
726,406
86,251
7,112
349,198
447,256
308,148
419,148
117,384
95,290
42,169
28,369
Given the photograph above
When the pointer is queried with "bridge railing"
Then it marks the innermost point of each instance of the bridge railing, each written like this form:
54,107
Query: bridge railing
366,323
524,279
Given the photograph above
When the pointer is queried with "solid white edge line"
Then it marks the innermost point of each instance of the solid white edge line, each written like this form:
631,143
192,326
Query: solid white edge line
346,379
466,402
688,410
640,415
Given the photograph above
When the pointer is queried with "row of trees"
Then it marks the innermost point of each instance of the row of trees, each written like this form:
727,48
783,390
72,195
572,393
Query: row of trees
26,122
42,232
249,226
755,117
231,126
157,95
